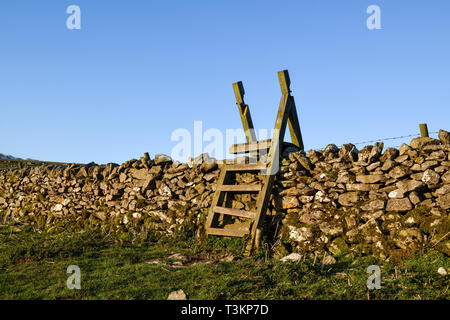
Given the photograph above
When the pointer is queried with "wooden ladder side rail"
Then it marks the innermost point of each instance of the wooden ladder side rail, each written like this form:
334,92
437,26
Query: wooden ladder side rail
294,126
244,111
219,196
274,159
247,123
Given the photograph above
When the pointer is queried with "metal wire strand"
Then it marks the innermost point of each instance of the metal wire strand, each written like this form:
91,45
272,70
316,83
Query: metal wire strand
387,139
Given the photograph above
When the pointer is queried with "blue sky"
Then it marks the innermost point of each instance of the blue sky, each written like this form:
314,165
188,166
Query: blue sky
138,70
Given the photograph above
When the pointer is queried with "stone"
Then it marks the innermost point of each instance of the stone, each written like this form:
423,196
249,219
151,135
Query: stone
162,158
417,176
374,205
321,196
409,239
338,246
209,177
372,215
290,202
208,166
305,162
294,257
438,155
399,205
444,201
330,151
442,271
419,143
429,165
396,194
389,154
406,186
148,184
140,174
364,155
370,179
430,177
306,199
373,166
376,152
101,215
348,152
359,187
331,229
164,190
446,177
399,172
402,159
177,295
388,165
348,199
404,148
444,136
122,177
350,221
441,169
311,217
414,198
200,188
443,190
228,259
314,155
136,215
155,261
178,257
300,234
328,260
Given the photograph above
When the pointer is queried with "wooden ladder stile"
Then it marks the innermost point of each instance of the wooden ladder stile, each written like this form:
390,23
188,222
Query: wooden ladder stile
287,116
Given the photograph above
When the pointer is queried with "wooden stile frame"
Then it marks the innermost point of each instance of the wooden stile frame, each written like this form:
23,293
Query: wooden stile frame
286,116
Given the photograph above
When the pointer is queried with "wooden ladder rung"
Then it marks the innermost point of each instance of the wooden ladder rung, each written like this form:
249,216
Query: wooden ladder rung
226,232
251,147
235,212
240,188
246,167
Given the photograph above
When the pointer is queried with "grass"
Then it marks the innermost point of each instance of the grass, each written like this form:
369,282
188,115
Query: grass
33,266
17,163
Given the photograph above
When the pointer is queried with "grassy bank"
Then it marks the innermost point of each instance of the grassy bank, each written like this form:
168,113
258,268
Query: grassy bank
19,163
33,266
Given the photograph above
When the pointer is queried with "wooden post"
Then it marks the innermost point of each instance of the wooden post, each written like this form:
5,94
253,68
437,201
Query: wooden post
294,126
423,130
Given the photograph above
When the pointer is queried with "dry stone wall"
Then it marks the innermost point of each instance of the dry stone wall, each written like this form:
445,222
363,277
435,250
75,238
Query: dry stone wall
336,201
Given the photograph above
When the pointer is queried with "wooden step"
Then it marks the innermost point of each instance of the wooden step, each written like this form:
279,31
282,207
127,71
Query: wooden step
226,232
263,145
240,188
246,167
235,212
